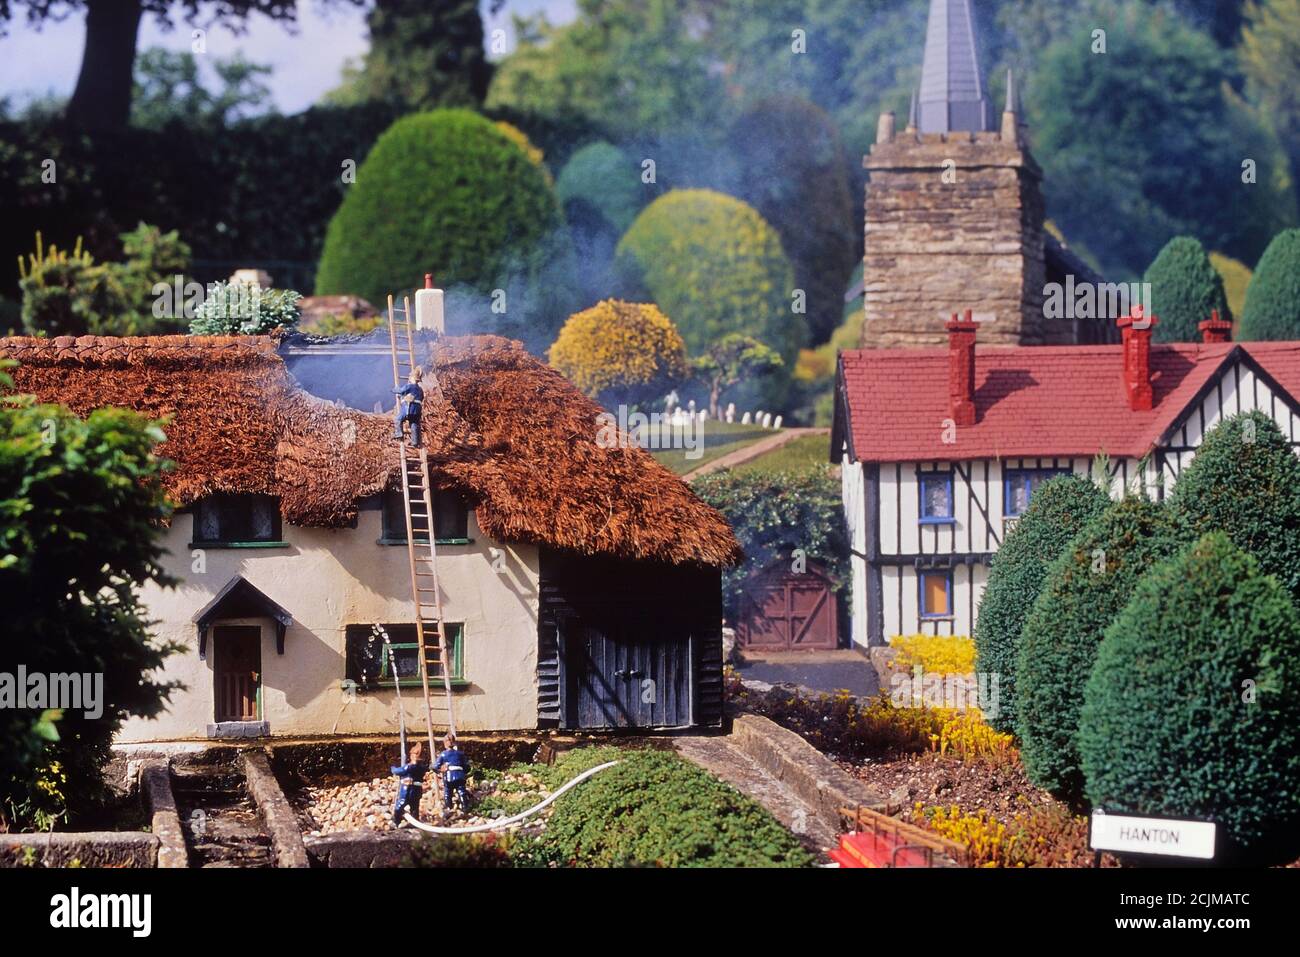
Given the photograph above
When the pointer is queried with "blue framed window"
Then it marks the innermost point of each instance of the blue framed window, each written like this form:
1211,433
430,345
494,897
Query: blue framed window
936,498
1019,485
936,592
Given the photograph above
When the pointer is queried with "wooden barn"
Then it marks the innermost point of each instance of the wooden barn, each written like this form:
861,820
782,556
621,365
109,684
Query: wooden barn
580,584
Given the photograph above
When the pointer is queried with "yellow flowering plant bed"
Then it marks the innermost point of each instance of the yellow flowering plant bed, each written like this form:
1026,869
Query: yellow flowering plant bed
937,654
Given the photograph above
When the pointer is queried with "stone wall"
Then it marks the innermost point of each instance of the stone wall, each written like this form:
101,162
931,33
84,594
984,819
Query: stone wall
936,247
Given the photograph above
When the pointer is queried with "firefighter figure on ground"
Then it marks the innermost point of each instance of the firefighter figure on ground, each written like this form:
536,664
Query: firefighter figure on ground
410,402
452,767
411,784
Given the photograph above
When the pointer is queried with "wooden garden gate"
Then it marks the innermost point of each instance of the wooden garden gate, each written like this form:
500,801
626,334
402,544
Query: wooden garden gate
784,610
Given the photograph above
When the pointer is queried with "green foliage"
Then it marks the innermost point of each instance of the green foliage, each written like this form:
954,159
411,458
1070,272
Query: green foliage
1236,278
80,506
244,309
1151,130
68,294
1273,297
635,67
774,514
423,54
655,810
1058,511
804,194
1185,288
1085,588
1245,481
620,351
730,360
603,184
168,89
1192,708
447,191
714,266
1270,57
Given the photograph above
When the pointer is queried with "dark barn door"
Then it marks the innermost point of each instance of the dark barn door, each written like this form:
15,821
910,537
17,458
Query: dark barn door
626,676
237,672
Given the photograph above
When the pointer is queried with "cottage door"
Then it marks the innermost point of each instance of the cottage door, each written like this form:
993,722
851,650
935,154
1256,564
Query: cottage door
238,672
632,673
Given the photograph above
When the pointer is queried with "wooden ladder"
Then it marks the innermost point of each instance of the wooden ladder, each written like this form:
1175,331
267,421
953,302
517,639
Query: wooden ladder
422,554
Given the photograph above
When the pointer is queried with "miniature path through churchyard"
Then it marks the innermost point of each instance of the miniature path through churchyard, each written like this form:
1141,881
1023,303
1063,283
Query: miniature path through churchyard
751,452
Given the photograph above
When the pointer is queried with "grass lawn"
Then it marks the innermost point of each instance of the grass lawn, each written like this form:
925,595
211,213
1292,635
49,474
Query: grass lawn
803,452
720,438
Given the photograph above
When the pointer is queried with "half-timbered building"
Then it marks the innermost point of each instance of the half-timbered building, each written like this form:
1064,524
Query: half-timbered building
941,449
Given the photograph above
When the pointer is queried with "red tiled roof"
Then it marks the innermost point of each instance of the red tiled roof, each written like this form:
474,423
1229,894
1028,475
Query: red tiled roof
1030,400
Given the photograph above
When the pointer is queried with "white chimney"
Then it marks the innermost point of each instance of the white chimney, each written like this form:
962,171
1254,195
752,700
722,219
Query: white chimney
428,308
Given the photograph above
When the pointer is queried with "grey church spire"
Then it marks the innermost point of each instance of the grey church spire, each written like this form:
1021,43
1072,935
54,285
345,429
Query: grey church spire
952,92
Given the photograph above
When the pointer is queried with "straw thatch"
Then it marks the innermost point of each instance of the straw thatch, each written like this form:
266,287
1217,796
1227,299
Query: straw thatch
511,433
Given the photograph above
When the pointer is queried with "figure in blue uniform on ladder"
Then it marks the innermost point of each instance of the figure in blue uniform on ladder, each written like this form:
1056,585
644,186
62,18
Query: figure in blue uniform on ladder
453,767
410,402
411,778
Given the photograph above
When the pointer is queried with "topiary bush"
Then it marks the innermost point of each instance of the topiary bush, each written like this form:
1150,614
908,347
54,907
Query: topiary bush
620,351
804,193
448,192
1085,588
655,810
1058,511
1193,706
1245,480
602,181
1185,289
715,265
1273,296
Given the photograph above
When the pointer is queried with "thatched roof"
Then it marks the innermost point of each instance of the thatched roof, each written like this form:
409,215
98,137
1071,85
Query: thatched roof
510,432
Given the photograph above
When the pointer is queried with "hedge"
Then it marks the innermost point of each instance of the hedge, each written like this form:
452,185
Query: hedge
714,265
1245,480
1185,289
1058,511
1085,588
1193,710
655,810
1273,296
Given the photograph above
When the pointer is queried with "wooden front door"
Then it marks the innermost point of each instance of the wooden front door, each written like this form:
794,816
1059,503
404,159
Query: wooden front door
629,671
786,611
238,672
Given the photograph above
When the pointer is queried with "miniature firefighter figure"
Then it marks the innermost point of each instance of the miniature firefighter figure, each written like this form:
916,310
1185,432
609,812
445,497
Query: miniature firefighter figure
411,778
410,402
453,767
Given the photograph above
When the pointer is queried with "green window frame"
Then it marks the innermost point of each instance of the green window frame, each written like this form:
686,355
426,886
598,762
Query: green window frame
403,640
224,520
450,522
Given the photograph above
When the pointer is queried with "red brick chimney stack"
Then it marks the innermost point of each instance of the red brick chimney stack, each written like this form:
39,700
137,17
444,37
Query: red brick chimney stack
1136,328
961,368
1215,329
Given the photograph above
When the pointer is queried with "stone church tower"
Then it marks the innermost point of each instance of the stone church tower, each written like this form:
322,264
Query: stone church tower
954,208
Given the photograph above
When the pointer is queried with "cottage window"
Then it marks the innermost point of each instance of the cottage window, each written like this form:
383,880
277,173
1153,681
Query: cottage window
936,498
371,664
450,523
936,593
237,520
1020,485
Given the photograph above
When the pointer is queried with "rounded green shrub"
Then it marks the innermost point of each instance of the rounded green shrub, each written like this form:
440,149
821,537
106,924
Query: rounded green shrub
600,180
1085,588
1058,511
1185,289
1193,706
447,192
655,810
804,193
714,265
1245,481
1273,296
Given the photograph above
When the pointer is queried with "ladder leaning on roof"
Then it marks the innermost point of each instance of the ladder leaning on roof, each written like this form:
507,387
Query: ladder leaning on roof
417,501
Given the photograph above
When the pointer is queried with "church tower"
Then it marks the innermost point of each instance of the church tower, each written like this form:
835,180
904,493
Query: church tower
954,207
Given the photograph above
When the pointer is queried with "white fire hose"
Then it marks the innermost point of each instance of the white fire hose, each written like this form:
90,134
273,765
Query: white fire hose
508,821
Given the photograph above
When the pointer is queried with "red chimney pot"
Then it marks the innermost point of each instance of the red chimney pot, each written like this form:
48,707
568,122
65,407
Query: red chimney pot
428,280
1215,329
961,368
1135,330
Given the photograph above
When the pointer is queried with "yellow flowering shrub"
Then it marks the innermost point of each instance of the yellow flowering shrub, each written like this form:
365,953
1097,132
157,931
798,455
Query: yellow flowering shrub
937,654
628,348
989,842
967,735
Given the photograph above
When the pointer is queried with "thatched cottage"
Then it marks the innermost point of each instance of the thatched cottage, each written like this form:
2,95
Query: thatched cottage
581,584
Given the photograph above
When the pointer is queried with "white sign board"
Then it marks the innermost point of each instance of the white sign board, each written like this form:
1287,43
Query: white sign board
1151,835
